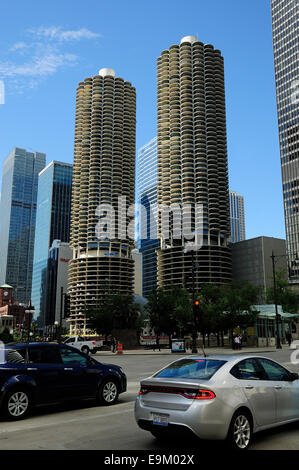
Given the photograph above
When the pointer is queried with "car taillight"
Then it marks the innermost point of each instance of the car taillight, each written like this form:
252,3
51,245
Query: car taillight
194,394
199,394
94,343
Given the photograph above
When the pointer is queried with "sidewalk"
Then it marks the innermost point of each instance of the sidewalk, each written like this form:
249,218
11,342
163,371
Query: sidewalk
208,351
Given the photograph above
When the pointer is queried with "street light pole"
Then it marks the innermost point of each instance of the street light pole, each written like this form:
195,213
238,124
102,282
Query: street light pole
278,343
30,311
194,332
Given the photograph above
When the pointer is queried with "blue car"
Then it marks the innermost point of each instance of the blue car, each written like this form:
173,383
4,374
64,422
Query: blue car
34,374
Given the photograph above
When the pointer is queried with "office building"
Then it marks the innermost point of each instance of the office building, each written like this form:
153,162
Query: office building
18,216
103,189
251,262
147,230
192,165
285,26
60,255
237,217
52,223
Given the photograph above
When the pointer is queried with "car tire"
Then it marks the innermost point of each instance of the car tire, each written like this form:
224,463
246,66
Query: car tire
93,351
108,392
85,349
240,431
17,404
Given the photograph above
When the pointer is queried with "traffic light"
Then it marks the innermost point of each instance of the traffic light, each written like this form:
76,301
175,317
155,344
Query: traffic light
196,312
67,306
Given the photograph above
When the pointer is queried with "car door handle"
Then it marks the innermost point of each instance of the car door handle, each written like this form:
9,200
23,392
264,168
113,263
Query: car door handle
68,368
278,387
31,368
249,387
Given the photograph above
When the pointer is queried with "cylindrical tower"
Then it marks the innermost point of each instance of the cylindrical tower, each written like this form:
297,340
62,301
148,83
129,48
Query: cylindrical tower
103,189
192,162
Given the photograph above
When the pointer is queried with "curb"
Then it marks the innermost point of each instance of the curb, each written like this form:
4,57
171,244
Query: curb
169,353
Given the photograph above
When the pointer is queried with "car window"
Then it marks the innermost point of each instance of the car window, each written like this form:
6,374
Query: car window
16,356
274,371
44,355
191,369
72,357
80,338
248,370
70,340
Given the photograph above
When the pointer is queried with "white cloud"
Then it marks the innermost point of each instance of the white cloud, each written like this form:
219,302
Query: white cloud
19,46
43,54
39,66
57,33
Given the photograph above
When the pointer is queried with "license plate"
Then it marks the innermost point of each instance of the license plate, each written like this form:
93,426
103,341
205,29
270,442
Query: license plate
160,420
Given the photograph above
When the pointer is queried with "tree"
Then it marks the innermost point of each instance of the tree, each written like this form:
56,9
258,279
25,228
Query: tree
238,301
115,311
210,309
5,336
170,310
285,296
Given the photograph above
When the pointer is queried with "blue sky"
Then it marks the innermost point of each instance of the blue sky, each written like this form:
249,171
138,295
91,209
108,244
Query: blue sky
48,47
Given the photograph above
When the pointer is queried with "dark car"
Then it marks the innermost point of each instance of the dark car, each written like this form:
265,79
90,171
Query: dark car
40,373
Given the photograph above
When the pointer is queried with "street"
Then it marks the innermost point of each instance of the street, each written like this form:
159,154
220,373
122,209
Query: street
84,425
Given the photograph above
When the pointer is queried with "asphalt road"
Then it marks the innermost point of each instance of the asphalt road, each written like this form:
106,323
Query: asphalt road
86,426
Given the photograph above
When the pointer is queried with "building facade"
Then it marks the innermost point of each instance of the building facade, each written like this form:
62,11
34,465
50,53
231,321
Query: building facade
147,229
103,190
192,165
18,217
237,217
52,223
60,255
285,26
252,262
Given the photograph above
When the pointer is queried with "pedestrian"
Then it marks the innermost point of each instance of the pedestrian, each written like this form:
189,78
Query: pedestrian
237,342
114,344
289,337
157,342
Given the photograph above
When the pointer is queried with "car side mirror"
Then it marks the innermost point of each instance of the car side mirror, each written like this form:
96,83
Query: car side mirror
294,376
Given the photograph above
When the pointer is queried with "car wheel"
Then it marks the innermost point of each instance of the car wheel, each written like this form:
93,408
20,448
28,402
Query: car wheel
85,349
93,351
240,431
108,392
17,404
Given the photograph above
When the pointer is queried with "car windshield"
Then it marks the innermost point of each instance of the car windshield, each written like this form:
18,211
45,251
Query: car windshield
202,369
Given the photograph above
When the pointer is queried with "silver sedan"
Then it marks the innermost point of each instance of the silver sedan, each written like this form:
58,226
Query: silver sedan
218,397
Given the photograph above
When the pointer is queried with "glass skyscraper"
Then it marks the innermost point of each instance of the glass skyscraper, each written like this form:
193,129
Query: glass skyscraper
18,215
146,195
285,25
52,223
237,217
